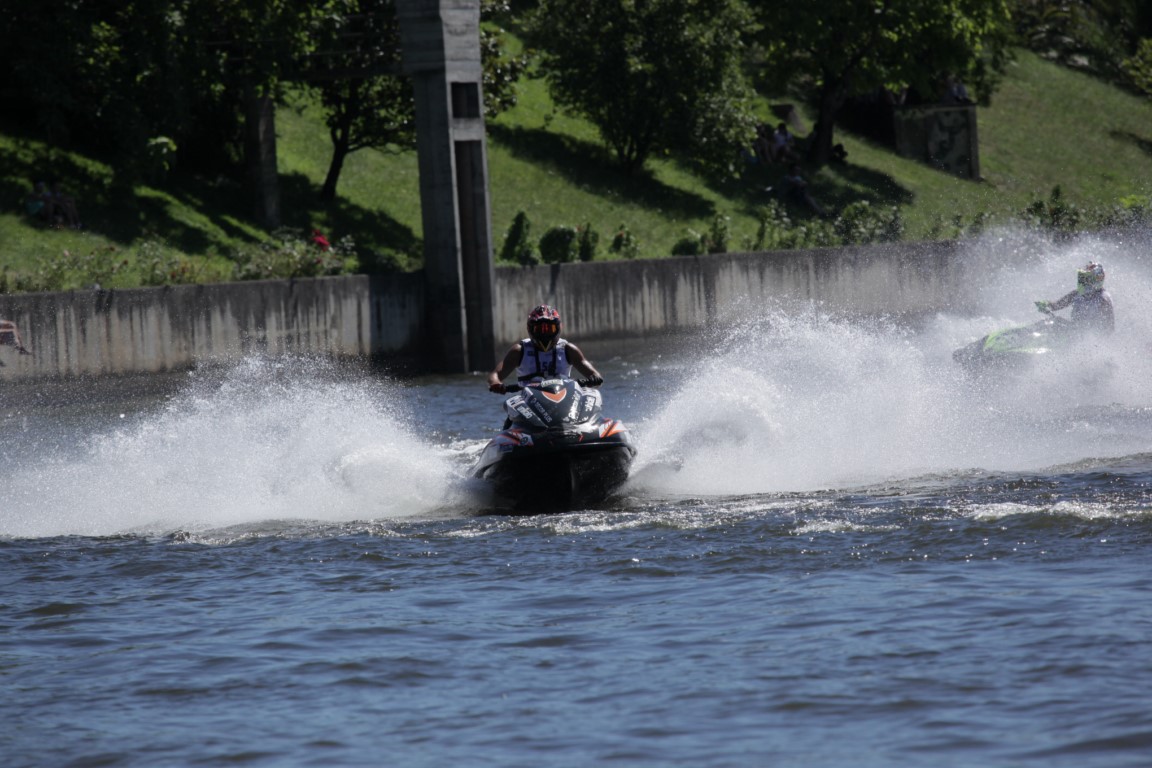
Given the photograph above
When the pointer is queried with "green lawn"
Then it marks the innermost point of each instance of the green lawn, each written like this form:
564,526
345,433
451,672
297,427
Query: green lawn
1047,126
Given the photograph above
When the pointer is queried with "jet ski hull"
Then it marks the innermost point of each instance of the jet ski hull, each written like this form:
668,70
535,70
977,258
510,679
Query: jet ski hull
567,474
1013,349
557,451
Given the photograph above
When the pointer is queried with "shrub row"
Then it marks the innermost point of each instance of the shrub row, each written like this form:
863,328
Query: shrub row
292,253
287,253
557,245
859,223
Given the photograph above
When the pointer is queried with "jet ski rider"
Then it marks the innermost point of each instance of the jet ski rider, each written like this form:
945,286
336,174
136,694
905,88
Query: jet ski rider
1091,304
543,355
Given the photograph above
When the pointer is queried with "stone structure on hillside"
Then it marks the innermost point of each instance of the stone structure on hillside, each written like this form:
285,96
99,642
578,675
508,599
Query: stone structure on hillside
942,136
441,53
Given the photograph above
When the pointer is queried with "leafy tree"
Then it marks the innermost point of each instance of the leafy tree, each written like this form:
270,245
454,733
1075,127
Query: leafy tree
260,43
1139,67
199,77
356,72
368,103
838,47
652,75
102,76
1092,35
115,76
502,70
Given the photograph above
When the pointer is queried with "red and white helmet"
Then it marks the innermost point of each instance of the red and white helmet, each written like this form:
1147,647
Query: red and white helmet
544,326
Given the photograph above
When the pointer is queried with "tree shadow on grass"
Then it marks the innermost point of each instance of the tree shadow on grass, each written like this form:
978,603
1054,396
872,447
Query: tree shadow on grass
155,213
1140,142
225,202
24,168
374,232
834,186
125,215
844,183
588,166
119,213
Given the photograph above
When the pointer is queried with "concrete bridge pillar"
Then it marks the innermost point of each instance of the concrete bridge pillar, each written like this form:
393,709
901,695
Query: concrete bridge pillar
441,53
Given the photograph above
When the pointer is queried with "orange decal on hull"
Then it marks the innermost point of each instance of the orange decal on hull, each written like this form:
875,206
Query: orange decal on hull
611,428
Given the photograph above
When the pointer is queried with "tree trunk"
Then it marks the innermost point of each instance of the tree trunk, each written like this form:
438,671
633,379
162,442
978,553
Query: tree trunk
831,99
339,153
260,154
340,132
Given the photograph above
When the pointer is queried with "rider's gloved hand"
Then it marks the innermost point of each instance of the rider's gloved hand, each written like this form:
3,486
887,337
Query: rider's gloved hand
594,381
498,388
1044,306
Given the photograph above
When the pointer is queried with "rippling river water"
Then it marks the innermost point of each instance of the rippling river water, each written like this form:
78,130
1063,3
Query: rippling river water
833,550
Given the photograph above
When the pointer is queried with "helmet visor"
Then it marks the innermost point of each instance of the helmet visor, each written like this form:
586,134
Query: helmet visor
544,332
1092,276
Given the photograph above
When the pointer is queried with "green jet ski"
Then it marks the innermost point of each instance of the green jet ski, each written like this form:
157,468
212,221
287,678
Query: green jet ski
1016,348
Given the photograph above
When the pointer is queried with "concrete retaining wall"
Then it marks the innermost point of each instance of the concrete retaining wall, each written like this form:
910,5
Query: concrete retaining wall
634,298
152,330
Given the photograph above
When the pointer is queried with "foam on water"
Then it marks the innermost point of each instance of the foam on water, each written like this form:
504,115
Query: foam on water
787,398
273,440
792,398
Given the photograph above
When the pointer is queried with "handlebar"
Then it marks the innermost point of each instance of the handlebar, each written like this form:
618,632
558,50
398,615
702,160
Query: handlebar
580,382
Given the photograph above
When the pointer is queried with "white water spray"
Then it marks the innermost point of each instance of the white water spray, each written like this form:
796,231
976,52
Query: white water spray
783,400
274,440
791,399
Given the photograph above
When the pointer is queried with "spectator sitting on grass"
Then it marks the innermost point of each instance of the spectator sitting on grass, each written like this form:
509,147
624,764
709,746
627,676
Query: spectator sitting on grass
783,144
796,191
64,208
39,205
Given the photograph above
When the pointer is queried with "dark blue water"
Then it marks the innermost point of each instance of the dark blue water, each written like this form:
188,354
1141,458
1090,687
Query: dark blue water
834,550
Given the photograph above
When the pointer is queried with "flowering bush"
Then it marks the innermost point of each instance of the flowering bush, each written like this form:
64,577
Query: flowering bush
292,253
624,243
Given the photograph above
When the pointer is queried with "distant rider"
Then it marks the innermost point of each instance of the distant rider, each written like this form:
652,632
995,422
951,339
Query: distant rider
1091,304
543,355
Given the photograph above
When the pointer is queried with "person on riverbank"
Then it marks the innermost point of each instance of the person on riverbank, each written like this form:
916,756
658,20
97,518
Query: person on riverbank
1091,304
39,205
10,337
543,354
797,191
64,211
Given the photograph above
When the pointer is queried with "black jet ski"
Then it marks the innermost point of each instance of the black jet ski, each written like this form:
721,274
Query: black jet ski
557,451
1017,348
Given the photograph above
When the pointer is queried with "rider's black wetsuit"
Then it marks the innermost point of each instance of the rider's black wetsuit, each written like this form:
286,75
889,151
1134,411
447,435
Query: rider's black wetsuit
1091,310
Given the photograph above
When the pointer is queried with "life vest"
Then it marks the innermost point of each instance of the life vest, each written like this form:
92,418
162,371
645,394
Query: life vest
535,364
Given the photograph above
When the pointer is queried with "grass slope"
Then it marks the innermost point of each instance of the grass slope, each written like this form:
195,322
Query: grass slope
1047,126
